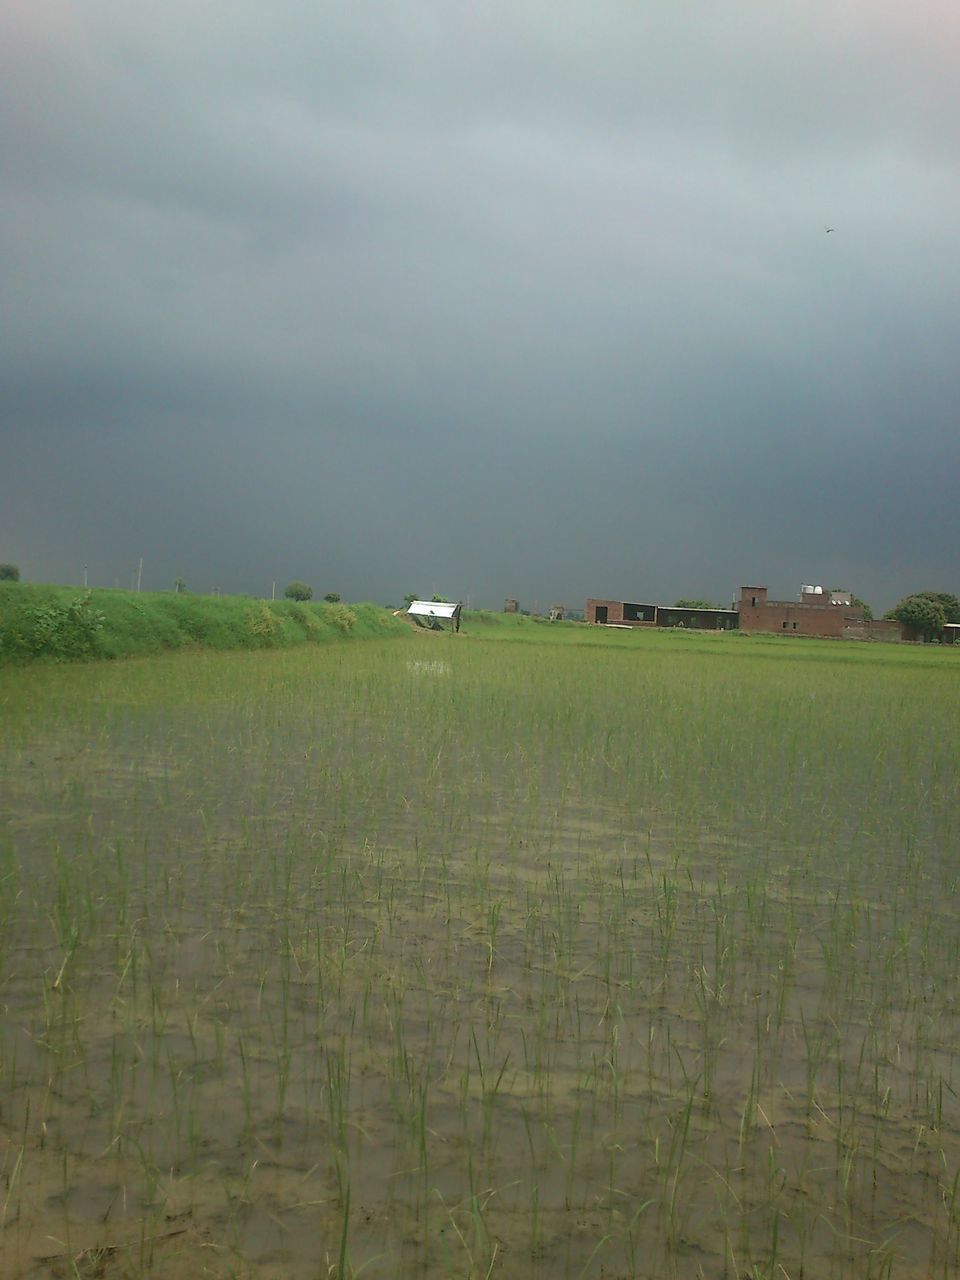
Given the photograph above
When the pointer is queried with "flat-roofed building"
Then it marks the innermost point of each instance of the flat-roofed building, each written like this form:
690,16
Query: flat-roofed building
623,613
815,612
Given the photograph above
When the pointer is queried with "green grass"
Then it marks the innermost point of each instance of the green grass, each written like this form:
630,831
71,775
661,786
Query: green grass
67,623
481,624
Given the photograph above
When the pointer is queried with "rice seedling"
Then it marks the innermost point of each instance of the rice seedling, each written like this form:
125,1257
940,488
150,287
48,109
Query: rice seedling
627,959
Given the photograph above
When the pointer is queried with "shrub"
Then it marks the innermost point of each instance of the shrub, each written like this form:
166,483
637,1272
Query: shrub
61,630
263,624
343,619
9,573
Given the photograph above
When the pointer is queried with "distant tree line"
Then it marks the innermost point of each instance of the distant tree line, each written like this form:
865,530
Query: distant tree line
303,591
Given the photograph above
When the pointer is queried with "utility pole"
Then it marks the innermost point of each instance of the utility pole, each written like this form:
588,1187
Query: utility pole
84,577
139,572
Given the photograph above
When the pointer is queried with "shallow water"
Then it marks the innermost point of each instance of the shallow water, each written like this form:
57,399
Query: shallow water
316,963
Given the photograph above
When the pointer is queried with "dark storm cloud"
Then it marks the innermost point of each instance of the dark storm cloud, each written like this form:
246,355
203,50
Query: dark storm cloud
518,299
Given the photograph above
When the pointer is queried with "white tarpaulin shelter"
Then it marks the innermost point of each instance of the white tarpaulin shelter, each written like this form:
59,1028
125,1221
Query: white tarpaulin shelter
436,609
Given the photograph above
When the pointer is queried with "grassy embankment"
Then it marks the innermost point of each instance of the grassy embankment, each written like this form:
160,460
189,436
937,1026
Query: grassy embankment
69,623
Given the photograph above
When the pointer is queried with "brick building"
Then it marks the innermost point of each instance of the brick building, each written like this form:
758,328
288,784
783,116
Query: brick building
815,613
621,613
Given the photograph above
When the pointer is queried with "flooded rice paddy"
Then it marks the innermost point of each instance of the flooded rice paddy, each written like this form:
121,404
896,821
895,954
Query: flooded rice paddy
445,958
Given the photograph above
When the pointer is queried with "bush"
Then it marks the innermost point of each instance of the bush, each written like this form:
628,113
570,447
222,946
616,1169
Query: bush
298,591
343,619
9,573
57,630
332,597
264,625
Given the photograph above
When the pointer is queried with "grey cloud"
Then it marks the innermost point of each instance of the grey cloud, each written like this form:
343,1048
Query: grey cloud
568,266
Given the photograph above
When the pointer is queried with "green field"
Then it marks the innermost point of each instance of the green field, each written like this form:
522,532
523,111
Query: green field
628,956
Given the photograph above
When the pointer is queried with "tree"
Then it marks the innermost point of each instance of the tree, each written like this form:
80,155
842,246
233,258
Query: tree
697,604
332,597
180,587
922,613
410,597
862,604
298,591
9,573
947,601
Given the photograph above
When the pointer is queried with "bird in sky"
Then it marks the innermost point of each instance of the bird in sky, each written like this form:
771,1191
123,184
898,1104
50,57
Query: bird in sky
828,230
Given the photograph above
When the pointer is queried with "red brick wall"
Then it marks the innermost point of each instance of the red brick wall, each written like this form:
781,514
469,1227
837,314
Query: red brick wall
800,619
614,610
880,629
614,613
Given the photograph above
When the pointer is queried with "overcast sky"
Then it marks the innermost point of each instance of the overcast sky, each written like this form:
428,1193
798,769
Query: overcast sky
516,298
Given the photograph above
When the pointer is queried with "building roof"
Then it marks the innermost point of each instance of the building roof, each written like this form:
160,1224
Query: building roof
433,609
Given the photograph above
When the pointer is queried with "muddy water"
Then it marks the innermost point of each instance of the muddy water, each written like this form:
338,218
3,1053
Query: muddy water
301,979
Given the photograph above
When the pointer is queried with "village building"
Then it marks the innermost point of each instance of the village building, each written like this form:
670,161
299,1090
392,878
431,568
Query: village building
815,612
621,613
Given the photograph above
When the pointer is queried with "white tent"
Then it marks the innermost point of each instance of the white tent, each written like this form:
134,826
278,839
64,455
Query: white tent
433,609
436,609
